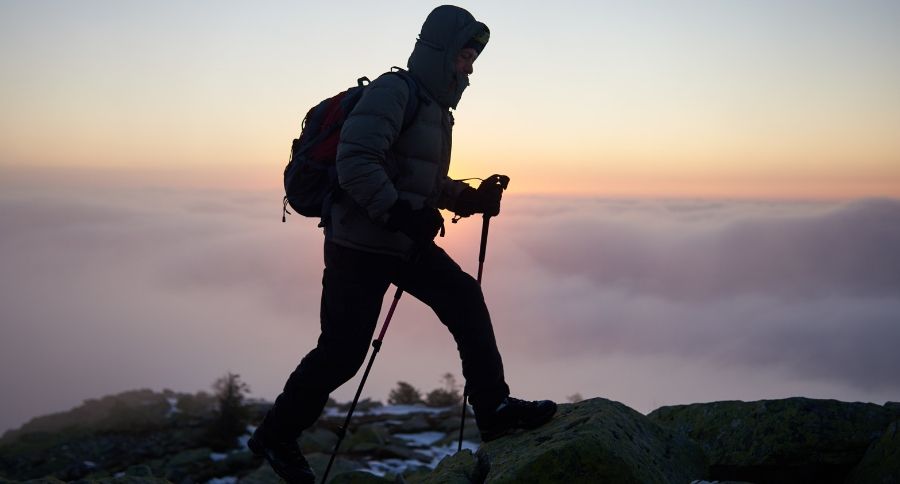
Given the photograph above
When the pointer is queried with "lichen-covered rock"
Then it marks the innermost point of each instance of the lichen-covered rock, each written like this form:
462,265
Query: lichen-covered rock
263,475
450,425
591,441
788,440
130,480
398,451
415,423
138,474
125,480
366,438
139,471
317,439
195,464
881,463
318,463
460,468
358,477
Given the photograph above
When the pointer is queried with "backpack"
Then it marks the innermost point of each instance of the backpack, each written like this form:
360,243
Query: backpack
310,177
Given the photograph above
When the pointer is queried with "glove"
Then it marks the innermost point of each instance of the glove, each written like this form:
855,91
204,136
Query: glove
421,225
486,199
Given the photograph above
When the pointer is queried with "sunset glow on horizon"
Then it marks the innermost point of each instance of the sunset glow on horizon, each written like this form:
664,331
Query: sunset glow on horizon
683,99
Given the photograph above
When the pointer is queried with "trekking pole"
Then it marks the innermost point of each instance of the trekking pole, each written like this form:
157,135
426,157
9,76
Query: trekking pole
376,345
502,181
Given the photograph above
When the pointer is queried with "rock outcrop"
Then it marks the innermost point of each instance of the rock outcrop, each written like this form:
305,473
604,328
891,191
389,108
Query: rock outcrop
591,441
881,464
789,440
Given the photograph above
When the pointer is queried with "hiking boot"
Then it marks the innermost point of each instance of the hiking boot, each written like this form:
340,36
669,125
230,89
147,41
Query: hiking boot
512,414
284,457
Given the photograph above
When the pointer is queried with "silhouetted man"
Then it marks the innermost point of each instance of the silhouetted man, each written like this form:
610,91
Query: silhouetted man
381,230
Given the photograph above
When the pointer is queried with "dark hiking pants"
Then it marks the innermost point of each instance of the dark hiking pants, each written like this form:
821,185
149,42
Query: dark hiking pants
353,287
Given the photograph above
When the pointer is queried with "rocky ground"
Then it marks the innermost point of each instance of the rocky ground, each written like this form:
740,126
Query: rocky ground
166,435
162,437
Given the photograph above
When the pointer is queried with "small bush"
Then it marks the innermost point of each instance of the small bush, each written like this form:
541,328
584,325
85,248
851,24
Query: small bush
404,394
447,396
232,416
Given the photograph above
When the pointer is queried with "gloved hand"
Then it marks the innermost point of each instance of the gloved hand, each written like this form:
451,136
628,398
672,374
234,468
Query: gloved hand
486,199
421,225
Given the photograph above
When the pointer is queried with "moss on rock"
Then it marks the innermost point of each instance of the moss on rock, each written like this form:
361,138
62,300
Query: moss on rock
460,468
881,463
788,440
595,440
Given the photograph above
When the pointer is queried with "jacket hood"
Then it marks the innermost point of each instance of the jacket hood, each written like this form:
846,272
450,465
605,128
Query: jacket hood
446,30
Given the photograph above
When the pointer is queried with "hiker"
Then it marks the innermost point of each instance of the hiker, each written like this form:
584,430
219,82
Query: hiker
381,231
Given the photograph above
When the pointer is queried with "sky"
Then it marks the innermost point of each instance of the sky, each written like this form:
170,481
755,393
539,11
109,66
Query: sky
683,98
703,206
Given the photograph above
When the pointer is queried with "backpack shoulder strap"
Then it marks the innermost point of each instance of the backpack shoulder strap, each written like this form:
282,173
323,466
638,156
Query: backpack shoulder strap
412,104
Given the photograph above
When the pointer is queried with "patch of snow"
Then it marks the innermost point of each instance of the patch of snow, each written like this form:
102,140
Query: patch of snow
173,406
422,442
218,456
388,410
437,453
422,439
394,466
242,441
89,464
406,410
472,446
119,474
223,480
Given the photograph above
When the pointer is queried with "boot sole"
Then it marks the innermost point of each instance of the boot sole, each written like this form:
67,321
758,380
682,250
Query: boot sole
487,436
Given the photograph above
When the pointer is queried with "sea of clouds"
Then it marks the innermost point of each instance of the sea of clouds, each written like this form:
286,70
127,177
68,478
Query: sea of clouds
648,302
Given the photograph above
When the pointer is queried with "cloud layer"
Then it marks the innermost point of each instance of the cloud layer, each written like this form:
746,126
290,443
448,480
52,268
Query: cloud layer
107,291
811,288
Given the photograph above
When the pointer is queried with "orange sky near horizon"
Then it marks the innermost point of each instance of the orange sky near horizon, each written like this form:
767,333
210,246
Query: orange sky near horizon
685,99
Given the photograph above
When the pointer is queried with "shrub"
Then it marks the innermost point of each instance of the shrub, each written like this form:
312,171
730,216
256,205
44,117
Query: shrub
404,394
232,415
447,396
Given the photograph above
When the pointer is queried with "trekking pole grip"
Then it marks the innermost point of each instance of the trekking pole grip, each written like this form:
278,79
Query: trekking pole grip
501,181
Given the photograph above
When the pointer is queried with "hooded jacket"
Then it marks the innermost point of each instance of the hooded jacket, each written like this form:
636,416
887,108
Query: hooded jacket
379,163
